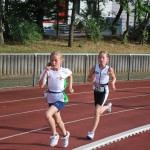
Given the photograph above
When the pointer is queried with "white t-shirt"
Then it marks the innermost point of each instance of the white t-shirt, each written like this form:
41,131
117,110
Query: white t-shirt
56,83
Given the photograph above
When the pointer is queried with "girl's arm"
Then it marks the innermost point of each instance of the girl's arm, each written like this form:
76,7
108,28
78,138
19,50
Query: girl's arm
42,81
90,77
113,76
70,80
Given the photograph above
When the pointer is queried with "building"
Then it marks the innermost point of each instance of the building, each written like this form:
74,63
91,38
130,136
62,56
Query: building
109,10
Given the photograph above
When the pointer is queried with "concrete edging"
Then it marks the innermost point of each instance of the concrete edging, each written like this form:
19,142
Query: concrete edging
114,138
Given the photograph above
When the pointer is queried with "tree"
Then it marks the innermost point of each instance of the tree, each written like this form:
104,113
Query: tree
127,21
124,5
71,29
115,22
1,23
30,10
143,16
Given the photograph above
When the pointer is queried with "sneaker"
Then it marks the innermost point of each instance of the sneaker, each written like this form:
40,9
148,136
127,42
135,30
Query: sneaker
54,140
90,135
109,107
66,139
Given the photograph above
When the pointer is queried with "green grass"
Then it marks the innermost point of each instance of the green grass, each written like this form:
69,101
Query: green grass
80,45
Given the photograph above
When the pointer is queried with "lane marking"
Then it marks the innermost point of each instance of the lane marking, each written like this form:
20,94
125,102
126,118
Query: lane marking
69,105
25,112
114,138
15,135
27,99
69,122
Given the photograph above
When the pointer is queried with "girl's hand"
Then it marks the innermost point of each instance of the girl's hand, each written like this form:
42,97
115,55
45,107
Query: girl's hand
47,69
113,87
71,90
93,79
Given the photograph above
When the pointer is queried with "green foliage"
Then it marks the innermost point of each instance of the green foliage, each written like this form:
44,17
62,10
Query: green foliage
24,32
125,40
93,30
145,35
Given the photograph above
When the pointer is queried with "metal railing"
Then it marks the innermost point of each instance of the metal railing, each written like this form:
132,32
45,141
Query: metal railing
29,66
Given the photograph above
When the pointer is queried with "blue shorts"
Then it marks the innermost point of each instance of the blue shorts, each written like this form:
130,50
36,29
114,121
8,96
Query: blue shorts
59,105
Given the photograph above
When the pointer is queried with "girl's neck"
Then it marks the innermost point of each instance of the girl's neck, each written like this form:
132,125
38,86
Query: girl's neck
102,66
56,69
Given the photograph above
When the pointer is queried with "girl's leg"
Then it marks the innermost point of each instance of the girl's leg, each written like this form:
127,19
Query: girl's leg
49,115
103,109
65,133
60,123
97,117
99,110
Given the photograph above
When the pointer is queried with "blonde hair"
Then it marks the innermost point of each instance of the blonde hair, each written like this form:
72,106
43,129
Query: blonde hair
57,53
104,52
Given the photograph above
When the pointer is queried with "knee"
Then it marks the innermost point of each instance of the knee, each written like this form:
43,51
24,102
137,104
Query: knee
98,112
58,121
48,115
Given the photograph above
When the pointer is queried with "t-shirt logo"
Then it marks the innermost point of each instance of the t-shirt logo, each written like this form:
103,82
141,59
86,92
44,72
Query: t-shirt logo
96,72
60,78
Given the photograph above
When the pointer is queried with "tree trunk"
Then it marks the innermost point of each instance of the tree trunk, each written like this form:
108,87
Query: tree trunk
71,29
115,22
143,29
127,26
6,26
1,24
1,32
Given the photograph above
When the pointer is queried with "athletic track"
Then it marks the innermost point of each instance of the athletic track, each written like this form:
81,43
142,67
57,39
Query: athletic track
23,125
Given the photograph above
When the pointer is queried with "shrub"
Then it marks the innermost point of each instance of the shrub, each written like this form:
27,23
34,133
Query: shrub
24,31
93,30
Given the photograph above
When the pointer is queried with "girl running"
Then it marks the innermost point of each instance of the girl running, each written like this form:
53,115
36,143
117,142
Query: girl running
56,97
99,76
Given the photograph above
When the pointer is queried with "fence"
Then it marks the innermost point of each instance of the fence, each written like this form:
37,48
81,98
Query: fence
24,69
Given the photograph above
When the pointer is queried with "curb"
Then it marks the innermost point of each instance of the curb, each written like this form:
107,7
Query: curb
114,138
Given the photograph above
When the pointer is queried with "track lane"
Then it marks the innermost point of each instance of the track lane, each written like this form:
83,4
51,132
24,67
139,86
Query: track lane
77,118
79,128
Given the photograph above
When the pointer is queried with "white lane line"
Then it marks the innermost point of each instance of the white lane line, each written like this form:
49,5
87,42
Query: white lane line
128,97
11,136
117,112
69,105
27,99
26,112
74,121
114,138
133,88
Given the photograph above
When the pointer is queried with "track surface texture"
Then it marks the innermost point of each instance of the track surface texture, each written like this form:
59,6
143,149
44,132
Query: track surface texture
23,125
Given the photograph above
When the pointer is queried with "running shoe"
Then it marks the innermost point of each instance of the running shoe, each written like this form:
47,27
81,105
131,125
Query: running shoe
109,107
54,140
90,135
66,139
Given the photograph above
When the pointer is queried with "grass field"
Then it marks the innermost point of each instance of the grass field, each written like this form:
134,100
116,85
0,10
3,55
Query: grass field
80,45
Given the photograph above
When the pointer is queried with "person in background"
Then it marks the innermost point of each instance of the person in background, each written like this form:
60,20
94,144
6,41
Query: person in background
99,76
56,97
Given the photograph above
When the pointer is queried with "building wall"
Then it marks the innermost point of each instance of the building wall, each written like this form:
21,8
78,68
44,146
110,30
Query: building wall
115,8
110,9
